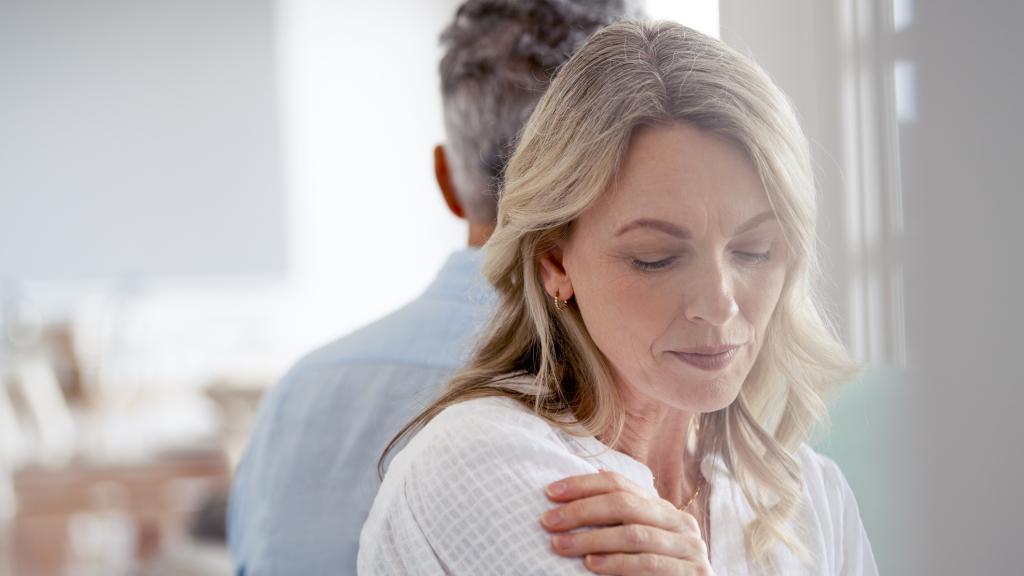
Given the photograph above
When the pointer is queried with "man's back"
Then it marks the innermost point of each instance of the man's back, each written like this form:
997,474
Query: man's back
309,474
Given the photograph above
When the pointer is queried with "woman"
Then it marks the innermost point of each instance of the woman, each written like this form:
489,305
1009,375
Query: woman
640,401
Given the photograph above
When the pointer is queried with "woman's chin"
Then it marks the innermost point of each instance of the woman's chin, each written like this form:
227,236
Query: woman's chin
709,394
712,402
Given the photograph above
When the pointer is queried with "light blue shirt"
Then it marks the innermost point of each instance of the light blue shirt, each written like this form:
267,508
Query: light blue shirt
309,475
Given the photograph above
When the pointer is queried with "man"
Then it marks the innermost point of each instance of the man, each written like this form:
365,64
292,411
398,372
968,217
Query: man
308,478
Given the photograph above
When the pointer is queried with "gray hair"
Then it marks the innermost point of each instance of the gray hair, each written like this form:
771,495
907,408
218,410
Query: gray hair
499,57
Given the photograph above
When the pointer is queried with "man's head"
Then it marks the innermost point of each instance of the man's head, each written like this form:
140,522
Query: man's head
499,57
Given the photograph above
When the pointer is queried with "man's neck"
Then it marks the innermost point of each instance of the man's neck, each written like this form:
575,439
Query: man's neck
479,233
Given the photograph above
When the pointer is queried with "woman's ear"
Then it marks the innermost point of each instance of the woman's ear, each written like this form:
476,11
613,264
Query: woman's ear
552,272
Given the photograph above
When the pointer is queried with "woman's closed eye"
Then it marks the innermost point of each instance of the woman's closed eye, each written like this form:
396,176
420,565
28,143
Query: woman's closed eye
652,265
754,257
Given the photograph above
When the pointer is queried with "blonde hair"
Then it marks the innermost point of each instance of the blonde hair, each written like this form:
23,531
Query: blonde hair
628,75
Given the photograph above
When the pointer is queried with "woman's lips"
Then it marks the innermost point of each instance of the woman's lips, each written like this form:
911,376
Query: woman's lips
708,358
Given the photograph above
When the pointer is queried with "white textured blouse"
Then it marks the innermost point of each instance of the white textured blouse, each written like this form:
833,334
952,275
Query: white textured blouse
465,497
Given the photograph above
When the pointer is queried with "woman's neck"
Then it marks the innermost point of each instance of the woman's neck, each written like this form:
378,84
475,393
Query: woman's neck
658,436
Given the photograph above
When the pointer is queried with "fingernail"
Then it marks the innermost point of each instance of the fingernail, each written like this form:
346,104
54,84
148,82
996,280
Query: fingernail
596,560
556,489
564,542
553,517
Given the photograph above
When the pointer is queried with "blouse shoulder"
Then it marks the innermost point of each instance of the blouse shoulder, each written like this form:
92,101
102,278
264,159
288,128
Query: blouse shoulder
491,412
820,471
834,508
470,487
493,438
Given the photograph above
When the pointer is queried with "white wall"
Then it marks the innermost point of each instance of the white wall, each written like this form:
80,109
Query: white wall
362,111
964,285
700,15
139,139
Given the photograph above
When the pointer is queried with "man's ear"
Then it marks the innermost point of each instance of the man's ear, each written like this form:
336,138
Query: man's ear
445,183
553,274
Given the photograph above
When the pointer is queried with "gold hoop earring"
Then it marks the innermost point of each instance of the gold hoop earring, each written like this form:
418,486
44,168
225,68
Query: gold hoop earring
560,304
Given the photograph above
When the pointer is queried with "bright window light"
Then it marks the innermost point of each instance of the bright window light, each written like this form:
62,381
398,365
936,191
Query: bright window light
700,15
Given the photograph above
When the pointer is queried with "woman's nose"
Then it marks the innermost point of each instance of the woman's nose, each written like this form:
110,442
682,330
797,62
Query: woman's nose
711,299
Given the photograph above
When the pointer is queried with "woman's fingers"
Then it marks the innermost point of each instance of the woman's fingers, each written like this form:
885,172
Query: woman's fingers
616,508
632,532
605,498
630,538
584,485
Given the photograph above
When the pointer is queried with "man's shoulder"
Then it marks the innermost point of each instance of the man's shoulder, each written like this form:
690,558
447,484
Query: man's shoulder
377,376
435,329
320,430
366,383
387,339
432,334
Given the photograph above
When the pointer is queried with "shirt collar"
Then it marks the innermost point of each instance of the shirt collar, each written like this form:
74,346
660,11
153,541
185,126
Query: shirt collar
460,277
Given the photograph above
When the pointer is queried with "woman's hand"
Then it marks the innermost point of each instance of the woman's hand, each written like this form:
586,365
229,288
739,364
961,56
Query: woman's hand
633,533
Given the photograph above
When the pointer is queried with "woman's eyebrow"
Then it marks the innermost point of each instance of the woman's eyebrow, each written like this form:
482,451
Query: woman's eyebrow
659,225
754,222
684,233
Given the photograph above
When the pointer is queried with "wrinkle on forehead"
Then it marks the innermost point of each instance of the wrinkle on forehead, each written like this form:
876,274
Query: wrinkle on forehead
711,186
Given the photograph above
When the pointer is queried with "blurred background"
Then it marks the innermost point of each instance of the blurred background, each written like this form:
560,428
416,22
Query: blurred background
195,193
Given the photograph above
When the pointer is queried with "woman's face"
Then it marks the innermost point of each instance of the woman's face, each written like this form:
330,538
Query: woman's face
677,269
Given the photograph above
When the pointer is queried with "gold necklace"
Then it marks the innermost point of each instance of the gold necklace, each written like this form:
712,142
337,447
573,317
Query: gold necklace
696,492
